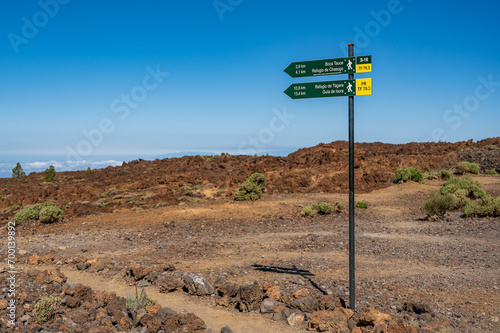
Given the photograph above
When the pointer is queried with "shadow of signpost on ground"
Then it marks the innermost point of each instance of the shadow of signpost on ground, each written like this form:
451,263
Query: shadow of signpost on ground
292,271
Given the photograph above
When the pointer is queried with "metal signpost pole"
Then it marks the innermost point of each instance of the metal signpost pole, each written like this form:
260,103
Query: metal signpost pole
351,88
352,281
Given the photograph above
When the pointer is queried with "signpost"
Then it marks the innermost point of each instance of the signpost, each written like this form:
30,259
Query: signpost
350,88
349,65
330,89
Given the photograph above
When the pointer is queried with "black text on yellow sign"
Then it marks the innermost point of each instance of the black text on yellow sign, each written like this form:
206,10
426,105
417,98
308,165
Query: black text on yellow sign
363,86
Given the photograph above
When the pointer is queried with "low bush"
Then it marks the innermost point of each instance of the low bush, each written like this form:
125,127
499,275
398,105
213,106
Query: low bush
439,204
490,172
251,189
186,198
462,193
47,212
46,308
140,301
487,207
408,174
430,175
466,167
316,208
339,204
445,174
50,214
362,204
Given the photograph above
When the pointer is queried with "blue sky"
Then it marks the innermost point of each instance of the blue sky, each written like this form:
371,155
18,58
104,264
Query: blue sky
93,83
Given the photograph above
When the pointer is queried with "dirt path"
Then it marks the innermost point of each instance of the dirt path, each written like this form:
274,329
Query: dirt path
449,264
215,318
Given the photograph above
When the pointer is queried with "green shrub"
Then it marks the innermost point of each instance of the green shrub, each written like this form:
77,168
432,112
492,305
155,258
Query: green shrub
490,172
251,189
18,172
316,208
160,204
466,167
407,174
324,208
473,168
463,193
50,214
339,204
148,196
49,173
473,188
430,175
189,199
486,207
439,204
28,214
140,301
445,174
309,211
45,308
89,171
362,204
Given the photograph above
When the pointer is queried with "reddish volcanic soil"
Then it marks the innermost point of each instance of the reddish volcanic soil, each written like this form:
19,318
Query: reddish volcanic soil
126,224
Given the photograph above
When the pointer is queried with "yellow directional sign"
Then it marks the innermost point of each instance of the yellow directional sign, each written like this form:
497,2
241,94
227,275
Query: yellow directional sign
363,86
364,64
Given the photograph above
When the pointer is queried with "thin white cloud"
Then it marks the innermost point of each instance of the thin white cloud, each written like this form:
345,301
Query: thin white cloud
59,166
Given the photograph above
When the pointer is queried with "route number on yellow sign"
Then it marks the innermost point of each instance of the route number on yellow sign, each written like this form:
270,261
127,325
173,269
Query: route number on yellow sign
364,68
363,86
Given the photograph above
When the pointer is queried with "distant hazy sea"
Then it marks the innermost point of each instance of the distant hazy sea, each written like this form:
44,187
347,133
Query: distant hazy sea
40,163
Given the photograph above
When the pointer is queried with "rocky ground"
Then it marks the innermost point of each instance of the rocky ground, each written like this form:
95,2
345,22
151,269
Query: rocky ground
321,169
255,266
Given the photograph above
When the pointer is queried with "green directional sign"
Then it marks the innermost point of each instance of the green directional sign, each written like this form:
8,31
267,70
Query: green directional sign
322,89
349,65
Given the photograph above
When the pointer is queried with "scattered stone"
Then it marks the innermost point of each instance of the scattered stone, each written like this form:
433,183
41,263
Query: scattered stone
115,308
22,252
334,321
274,293
268,305
228,289
72,302
46,259
3,304
416,308
46,277
33,260
137,315
295,319
169,284
249,297
282,315
82,292
226,329
223,301
191,322
299,294
25,318
330,302
197,286
305,304
137,272
372,317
